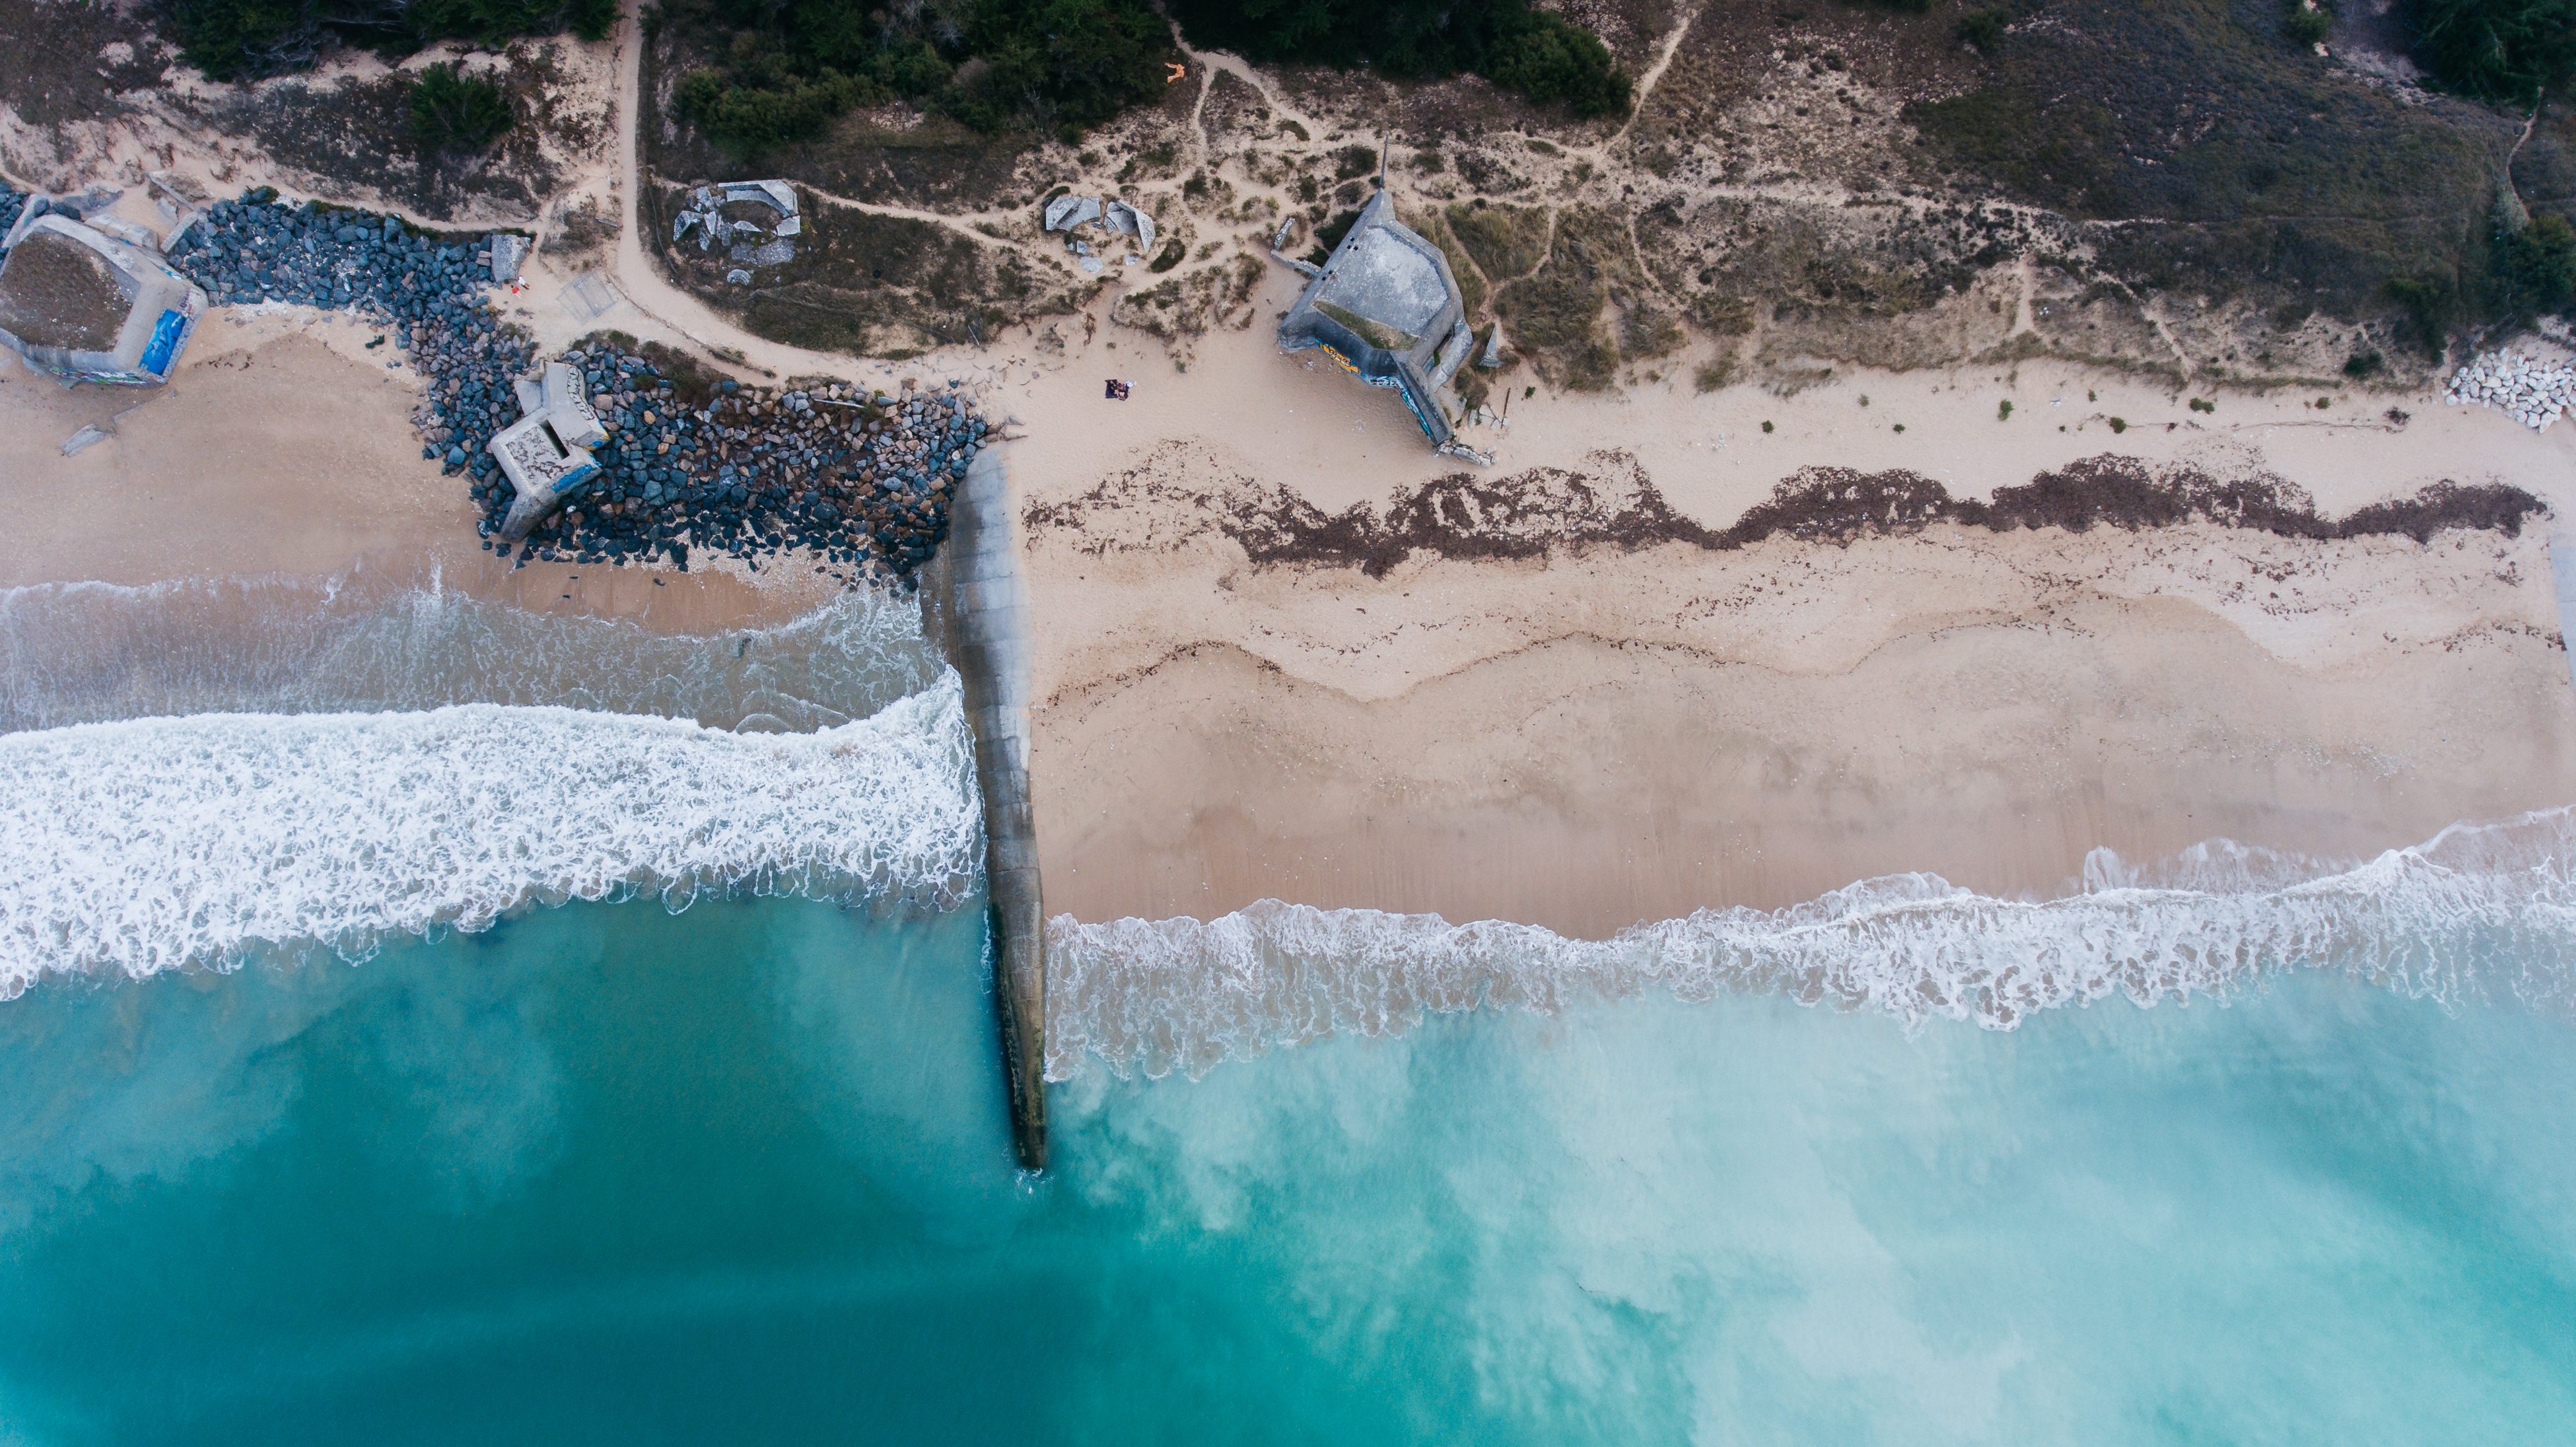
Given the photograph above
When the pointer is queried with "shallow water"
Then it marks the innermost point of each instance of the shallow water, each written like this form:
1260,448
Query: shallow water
604,1173
444,1158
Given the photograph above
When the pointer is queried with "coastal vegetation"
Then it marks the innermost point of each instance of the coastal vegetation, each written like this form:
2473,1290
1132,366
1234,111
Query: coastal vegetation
248,39
2497,50
451,111
772,75
1537,54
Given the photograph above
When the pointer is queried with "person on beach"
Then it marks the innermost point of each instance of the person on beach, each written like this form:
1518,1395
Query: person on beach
1117,391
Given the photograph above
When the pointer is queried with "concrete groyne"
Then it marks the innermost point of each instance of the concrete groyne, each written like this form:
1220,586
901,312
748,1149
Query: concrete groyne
977,607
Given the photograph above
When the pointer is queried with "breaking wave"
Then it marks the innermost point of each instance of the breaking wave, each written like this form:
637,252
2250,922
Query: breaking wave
2483,910
160,843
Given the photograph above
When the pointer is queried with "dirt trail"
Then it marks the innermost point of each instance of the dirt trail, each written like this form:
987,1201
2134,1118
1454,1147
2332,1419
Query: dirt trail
1236,66
1654,74
643,289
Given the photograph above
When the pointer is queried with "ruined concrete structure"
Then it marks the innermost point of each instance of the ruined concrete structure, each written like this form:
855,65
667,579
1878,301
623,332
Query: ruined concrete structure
84,306
1069,214
1386,308
546,453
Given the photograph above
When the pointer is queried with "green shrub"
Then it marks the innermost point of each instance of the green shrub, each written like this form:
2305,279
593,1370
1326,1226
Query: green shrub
243,39
2503,50
1538,53
2426,300
1983,29
2536,267
2363,364
1556,62
2003,411
453,111
2306,26
1330,234
247,39
751,120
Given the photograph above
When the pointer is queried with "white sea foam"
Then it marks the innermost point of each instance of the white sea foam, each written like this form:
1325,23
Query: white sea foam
151,844
2481,910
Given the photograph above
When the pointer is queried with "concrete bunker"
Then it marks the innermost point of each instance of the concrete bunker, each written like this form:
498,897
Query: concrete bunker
1069,214
83,306
546,453
1386,308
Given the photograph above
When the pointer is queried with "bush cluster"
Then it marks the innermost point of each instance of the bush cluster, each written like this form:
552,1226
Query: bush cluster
781,73
247,39
2535,268
1537,53
453,111
2498,50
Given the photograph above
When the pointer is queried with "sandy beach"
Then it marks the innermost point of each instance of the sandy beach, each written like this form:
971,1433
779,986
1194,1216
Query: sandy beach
285,447
1585,735
1598,736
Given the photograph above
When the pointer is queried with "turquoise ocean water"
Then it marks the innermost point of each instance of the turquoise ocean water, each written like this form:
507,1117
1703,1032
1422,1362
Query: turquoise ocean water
603,1172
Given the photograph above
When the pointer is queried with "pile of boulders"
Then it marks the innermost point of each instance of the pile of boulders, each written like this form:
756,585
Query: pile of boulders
861,481
11,203
2532,392
853,477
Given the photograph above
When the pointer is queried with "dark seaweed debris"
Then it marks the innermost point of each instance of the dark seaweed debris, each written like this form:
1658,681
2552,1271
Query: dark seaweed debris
1527,514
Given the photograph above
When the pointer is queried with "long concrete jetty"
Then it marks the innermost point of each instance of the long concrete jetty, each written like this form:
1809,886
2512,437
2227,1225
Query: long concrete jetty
978,609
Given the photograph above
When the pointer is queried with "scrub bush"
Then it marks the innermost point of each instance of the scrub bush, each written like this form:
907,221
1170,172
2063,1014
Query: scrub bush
1538,53
782,72
248,39
2536,267
453,111
2498,50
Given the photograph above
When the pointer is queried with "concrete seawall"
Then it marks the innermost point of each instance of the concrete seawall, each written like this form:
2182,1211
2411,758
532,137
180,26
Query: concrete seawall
977,608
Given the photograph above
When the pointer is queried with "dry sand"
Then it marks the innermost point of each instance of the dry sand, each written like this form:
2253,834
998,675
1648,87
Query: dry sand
285,447
1601,736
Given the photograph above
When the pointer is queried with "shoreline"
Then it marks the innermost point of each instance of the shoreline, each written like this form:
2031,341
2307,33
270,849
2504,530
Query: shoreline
1496,694
1586,728
1598,775
285,448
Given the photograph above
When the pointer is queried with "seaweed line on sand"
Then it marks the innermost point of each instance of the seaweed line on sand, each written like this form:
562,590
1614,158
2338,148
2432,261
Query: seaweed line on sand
1613,503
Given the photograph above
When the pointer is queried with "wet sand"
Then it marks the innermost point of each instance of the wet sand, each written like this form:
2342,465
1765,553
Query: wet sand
285,447
1599,736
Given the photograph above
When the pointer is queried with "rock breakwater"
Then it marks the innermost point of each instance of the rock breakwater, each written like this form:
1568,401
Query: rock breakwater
857,480
2530,391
